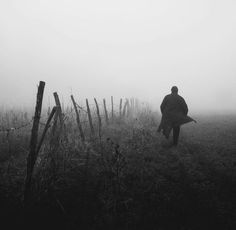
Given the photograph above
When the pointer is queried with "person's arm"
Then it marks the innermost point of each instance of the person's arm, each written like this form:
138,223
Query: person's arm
163,104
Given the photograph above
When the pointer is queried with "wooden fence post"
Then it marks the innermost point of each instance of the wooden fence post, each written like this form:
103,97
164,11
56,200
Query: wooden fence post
128,108
105,109
78,119
120,107
136,105
54,143
31,159
99,119
132,106
90,118
60,115
112,108
125,107
54,127
49,110
54,109
58,104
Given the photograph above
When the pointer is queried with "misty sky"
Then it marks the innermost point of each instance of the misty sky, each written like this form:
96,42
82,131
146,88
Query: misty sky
99,48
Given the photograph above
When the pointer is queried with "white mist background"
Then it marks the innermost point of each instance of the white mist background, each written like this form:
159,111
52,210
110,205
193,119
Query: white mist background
125,48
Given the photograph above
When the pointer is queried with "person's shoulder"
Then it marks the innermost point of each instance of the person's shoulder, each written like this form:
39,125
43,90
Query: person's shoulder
168,95
180,97
166,98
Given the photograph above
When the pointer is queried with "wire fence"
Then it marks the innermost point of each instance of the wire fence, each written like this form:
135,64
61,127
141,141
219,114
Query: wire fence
115,110
22,126
17,128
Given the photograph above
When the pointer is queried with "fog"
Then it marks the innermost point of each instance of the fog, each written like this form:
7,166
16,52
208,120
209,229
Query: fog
125,48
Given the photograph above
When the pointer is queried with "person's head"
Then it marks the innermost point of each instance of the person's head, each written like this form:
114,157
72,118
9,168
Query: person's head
174,89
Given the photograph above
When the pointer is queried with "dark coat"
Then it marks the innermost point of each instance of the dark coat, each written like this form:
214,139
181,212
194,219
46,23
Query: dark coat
174,113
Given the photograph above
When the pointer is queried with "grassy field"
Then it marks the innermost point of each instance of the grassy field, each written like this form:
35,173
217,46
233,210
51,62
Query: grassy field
130,179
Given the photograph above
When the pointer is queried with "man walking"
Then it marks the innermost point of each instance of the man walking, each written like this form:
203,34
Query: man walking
174,113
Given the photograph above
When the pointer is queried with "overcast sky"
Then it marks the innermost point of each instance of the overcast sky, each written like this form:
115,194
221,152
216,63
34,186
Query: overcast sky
124,48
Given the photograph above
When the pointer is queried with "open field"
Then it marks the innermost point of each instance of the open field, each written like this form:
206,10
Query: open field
131,178
89,91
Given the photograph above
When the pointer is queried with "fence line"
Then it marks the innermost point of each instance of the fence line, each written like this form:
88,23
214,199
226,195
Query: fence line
101,112
17,128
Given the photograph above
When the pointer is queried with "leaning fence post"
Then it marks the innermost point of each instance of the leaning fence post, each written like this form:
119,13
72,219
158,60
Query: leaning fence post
132,106
105,109
136,105
31,159
128,108
54,142
54,109
54,126
78,119
112,108
59,115
58,104
99,119
125,107
90,118
49,110
120,106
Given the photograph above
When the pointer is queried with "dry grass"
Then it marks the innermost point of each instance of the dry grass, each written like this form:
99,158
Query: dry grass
130,179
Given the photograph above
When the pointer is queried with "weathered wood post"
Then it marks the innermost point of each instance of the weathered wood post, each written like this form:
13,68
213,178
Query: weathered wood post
54,127
120,107
54,109
54,143
59,115
49,111
128,108
136,105
31,159
99,119
132,106
125,107
58,104
105,110
90,118
112,108
78,119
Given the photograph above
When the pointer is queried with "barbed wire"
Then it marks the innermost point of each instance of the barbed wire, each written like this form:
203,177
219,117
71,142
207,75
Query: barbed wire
17,128
22,126
80,107
66,116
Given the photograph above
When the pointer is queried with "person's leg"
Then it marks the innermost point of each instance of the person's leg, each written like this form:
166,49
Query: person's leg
176,130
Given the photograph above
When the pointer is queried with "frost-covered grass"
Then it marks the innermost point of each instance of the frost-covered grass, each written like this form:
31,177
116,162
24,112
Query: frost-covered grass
130,179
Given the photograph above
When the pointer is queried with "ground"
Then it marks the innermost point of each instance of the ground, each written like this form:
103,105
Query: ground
133,178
